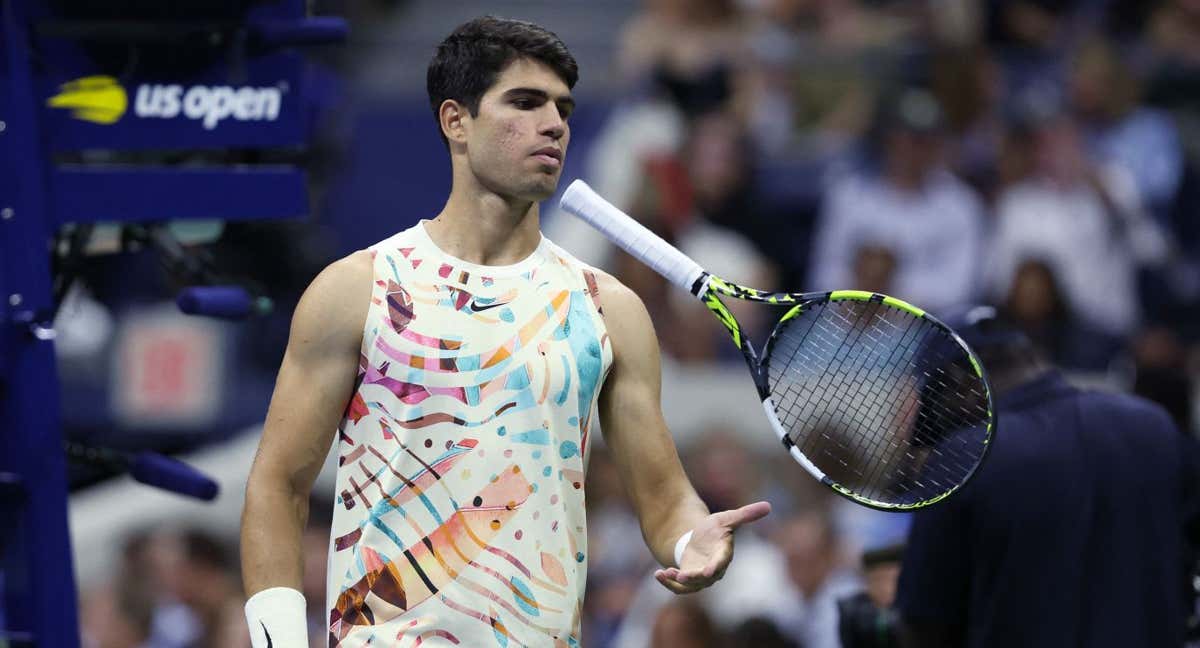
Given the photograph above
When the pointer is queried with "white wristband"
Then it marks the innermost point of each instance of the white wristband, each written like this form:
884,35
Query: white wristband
278,618
680,545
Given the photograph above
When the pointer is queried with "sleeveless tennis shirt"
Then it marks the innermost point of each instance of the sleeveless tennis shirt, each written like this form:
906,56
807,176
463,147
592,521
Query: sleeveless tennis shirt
459,507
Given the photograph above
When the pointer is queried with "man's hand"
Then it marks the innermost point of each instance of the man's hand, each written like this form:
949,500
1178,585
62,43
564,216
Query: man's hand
709,551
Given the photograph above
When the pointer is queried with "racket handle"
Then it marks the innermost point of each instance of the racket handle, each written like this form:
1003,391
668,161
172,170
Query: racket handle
630,235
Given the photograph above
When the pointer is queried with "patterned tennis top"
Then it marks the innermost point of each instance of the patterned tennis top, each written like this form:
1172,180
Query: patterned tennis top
459,508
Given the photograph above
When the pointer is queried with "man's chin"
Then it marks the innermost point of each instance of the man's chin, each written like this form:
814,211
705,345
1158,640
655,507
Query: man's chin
540,191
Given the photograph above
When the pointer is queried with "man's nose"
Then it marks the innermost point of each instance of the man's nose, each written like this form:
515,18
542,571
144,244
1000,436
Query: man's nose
554,126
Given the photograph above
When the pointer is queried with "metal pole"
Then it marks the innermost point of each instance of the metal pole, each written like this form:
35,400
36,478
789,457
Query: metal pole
38,580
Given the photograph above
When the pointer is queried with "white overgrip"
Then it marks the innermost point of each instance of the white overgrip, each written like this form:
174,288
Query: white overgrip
633,237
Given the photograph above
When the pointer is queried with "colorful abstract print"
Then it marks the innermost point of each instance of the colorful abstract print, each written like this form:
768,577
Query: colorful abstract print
459,516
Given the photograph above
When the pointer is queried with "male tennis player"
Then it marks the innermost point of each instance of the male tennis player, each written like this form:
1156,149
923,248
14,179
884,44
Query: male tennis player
462,363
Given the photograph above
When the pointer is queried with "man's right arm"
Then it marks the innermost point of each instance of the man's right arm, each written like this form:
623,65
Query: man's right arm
311,391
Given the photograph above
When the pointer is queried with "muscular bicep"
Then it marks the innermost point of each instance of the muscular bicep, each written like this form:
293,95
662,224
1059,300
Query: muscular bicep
630,403
317,375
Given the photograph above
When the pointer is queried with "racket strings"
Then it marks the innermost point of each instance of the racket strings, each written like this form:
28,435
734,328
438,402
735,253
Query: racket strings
884,402
871,452
826,339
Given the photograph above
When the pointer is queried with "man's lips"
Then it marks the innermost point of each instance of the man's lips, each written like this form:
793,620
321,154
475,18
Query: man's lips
549,155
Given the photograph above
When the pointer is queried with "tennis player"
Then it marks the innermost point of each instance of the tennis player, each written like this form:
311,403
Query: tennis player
463,363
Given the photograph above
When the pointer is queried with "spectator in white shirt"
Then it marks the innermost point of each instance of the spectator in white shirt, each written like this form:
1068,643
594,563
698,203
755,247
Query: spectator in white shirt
1084,221
910,205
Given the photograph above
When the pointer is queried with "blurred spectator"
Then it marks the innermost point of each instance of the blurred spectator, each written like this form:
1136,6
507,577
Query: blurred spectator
881,571
688,49
1162,374
116,616
812,82
1036,303
816,568
1171,71
874,269
757,632
1105,95
954,23
173,589
721,187
713,179
969,83
677,59
684,624
755,584
1025,23
616,566
702,199
1172,31
1144,141
911,205
150,561
723,468
1026,554
1030,38
867,619
207,582
1084,221
1173,37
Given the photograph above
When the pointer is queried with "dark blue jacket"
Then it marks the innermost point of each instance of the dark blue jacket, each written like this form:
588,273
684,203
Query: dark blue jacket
1071,535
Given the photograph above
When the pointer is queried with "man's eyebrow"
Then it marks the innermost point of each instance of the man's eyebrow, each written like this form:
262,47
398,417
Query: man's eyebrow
542,94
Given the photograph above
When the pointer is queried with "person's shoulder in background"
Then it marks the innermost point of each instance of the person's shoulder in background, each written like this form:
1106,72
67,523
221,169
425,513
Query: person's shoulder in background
1129,411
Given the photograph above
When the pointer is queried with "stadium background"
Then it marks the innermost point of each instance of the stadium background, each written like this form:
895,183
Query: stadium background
786,144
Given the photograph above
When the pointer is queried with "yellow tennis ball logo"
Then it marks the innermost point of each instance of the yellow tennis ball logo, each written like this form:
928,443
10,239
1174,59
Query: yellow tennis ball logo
97,99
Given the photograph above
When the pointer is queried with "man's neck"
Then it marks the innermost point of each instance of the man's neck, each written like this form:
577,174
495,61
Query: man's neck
485,228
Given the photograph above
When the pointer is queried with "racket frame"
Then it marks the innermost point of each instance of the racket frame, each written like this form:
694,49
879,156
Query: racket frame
682,271
709,289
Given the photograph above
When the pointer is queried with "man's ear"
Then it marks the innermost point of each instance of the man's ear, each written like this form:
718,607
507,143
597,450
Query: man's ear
453,118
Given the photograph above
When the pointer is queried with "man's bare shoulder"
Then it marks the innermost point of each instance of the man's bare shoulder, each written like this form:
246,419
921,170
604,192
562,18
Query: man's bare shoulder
333,309
344,275
615,297
625,316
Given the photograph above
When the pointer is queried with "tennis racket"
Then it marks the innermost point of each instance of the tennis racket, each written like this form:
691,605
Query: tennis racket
874,397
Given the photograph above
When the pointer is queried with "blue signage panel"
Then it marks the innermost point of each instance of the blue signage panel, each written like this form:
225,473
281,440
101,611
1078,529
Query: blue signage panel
148,194
261,105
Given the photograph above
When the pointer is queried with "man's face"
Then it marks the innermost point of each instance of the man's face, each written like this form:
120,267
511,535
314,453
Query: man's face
517,142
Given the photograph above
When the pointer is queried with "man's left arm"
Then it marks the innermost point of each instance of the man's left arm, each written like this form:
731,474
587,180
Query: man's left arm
664,500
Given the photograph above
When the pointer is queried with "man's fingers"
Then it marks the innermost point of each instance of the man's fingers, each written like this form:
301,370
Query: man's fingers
744,515
701,578
671,584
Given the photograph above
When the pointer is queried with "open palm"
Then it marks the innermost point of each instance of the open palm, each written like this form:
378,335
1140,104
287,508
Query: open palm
709,551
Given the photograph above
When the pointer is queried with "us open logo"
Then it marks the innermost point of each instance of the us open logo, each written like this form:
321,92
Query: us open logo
102,100
209,104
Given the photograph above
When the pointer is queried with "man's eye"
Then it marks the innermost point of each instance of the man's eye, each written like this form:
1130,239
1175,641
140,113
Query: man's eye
525,104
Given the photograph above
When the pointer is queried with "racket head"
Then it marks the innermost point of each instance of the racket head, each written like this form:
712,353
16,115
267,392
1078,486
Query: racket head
878,399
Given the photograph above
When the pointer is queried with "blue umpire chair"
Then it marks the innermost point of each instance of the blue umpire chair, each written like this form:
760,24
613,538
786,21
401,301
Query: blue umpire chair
134,113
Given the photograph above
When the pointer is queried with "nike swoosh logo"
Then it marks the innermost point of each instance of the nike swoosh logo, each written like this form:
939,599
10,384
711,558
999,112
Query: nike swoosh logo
270,643
476,308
